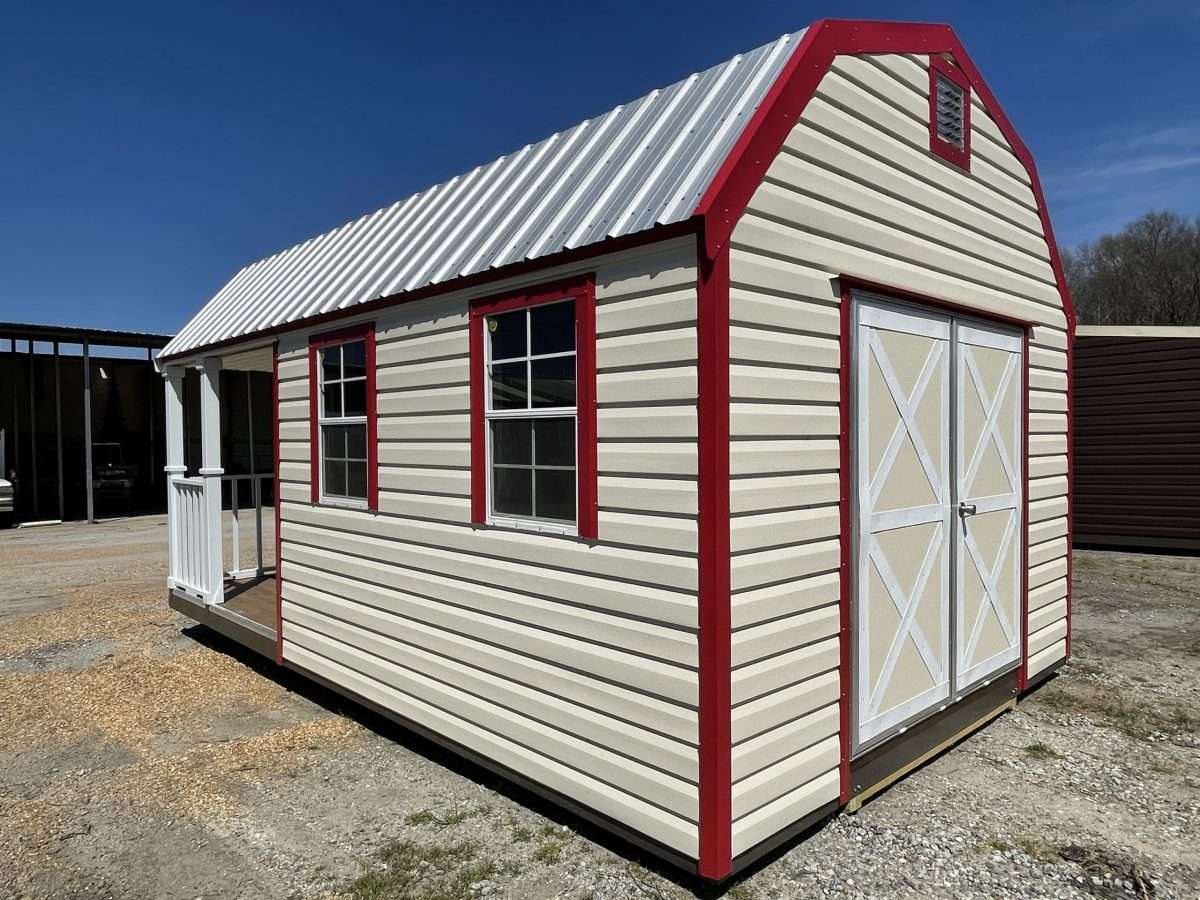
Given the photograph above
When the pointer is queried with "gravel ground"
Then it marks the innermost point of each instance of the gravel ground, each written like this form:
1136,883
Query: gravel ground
144,757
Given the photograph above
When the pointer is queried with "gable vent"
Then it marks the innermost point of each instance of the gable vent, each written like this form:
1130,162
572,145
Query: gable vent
950,102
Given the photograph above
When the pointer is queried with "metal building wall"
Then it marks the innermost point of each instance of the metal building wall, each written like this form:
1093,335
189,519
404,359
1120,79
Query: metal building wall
1137,437
126,409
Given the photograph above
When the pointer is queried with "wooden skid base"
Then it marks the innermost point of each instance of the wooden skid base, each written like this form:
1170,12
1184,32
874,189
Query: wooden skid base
876,769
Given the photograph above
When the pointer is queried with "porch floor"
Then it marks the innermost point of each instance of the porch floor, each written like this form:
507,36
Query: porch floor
253,598
247,616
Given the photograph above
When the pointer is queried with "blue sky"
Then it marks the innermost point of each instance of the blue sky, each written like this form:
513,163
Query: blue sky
150,150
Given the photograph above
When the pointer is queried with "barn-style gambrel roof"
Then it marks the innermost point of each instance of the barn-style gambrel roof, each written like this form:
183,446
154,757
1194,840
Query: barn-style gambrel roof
690,153
643,164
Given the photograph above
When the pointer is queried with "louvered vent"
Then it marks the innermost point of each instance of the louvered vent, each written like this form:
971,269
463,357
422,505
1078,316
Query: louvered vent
949,111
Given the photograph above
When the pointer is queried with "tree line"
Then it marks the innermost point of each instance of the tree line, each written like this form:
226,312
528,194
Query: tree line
1146,274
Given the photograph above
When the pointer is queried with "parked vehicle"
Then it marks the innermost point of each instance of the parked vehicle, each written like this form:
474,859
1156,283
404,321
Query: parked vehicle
112,478
6,487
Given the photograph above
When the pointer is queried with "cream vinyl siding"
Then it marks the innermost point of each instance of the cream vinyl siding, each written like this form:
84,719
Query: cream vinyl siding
572,663
855,190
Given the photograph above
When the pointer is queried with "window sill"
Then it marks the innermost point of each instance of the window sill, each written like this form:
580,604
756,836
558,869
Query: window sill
343,503
547,528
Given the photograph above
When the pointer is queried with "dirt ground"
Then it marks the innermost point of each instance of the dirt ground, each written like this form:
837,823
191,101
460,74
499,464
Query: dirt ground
144,757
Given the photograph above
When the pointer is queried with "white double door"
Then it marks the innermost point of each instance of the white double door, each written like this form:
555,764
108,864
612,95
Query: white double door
939,479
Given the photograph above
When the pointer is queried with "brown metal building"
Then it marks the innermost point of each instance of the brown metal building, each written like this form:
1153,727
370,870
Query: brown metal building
1136,409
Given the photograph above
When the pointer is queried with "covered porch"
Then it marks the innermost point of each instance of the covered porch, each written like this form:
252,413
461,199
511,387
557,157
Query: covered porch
221,506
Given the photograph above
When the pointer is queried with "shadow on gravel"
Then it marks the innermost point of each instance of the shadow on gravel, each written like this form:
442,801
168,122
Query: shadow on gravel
333,702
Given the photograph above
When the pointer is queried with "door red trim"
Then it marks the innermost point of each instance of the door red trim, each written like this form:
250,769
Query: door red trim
846,494
715,621
846,543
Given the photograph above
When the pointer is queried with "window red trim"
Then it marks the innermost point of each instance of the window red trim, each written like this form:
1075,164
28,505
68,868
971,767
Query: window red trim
364,331
953,154
583,290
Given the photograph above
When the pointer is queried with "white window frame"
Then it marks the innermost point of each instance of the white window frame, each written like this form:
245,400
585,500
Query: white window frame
509,520
323,420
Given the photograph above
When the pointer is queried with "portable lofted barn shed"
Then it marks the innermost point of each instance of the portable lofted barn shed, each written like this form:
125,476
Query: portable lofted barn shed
704,466
1138,436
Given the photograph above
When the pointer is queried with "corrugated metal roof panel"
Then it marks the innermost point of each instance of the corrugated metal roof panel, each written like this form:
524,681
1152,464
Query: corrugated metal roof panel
643,164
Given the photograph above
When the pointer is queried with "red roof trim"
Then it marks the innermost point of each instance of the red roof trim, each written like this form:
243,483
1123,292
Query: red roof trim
513,270
743,170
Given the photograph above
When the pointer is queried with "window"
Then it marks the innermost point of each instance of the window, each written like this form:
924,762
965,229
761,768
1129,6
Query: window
949,113
533,410
342,407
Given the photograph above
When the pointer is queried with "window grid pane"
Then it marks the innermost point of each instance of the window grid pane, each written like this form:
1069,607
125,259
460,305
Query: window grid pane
530,361
343,423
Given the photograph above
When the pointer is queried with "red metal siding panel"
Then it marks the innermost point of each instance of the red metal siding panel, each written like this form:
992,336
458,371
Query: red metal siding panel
1137,441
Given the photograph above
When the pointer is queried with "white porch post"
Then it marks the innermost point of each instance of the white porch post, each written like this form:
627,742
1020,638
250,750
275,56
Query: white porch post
174,469
211,471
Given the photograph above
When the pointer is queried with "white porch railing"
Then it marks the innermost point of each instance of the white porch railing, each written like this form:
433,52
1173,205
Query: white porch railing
189,560
235,569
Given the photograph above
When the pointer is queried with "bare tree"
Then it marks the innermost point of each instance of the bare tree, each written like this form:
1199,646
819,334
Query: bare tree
1148,274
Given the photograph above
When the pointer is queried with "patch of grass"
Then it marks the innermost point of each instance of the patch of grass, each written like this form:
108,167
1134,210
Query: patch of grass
1038,750
1041,850
522,835
1163,768
1137,719
549,852
415,871
996,844
741,891
429,817
548,831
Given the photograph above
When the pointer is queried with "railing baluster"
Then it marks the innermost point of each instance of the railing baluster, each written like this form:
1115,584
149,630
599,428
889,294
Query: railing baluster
258,534
236,568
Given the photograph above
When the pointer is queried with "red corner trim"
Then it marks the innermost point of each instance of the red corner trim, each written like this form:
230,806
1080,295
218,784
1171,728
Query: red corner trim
583,290
716,788
845,543
1070,482
364,331
952,153
742,172
278,505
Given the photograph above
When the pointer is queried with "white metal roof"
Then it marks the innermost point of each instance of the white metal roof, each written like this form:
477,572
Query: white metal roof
643,164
